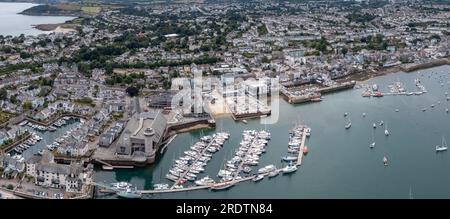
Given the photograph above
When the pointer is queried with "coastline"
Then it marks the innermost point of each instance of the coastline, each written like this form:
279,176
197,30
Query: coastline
362,77
55,28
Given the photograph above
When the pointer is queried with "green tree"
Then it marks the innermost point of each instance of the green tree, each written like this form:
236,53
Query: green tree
3,94
27,105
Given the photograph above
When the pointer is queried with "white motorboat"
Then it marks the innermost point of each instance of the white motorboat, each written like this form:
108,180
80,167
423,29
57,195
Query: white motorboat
258,178
204,181
267,169
289,168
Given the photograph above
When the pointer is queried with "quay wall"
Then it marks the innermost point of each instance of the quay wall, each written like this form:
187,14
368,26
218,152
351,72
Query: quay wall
308,98
8,148
50,122
439,62
346,85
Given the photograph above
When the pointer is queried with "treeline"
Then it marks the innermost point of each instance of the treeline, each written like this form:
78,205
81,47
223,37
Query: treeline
360,17
164,63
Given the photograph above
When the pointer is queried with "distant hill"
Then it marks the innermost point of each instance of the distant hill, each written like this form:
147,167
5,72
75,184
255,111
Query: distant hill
50,10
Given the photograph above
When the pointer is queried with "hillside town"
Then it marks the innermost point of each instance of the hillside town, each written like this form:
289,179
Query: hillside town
114,86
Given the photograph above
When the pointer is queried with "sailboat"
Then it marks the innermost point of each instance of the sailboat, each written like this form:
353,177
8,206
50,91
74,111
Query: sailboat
442,147
372,145
410,193
386,132
349,124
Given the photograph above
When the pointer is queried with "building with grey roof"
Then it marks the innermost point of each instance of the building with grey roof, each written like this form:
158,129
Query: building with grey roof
143,134
72,178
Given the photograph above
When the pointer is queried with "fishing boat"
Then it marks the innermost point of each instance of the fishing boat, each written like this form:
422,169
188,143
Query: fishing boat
345,114
385,161
364,115
374,125
443,146
381,123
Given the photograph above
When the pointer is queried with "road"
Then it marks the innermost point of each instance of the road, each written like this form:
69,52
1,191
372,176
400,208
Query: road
8,195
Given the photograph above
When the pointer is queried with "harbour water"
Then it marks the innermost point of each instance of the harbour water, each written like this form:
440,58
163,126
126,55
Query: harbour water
340,163
15,24
48,137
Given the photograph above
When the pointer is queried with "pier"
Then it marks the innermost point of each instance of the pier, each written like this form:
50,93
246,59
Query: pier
302,146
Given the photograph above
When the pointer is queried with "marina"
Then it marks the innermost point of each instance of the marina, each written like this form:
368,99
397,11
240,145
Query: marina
44,138
328,170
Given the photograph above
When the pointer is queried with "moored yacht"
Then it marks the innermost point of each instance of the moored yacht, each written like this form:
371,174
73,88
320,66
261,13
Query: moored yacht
443,146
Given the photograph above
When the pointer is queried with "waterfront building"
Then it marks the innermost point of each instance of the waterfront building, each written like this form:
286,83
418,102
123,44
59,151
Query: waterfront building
11,166
143,135
71,178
